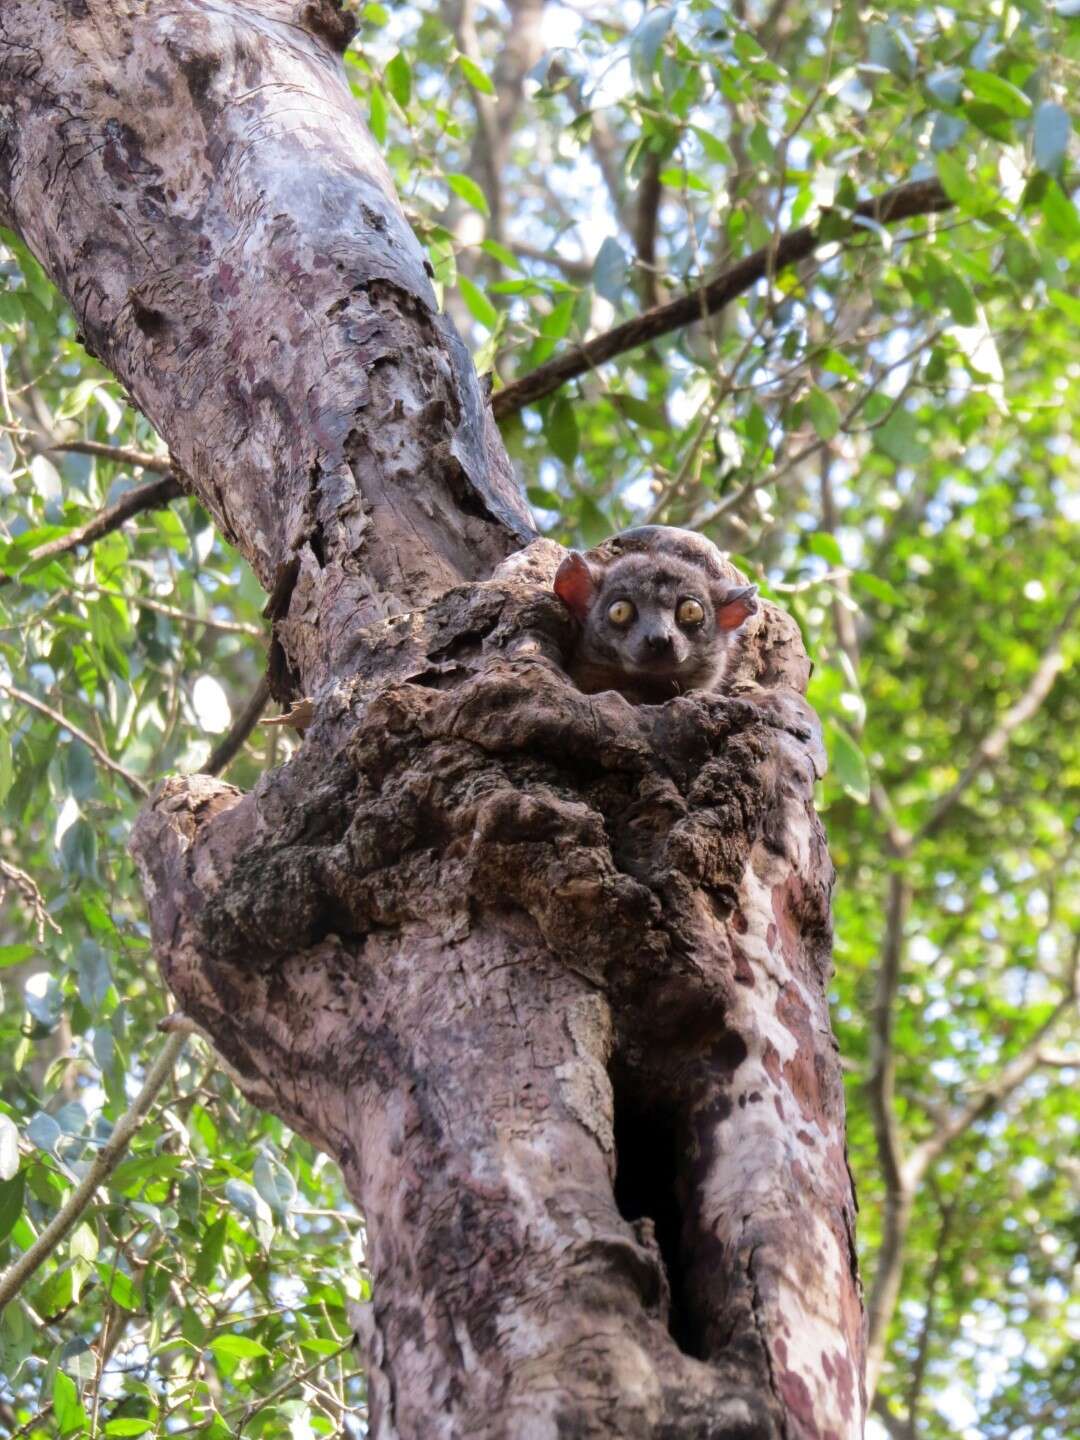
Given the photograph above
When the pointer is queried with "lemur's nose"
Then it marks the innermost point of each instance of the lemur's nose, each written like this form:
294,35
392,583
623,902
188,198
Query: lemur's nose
659,642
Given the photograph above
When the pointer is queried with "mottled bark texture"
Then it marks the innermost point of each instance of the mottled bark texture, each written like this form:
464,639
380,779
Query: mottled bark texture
545,972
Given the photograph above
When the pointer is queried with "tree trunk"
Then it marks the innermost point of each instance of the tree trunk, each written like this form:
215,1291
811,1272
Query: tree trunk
544,972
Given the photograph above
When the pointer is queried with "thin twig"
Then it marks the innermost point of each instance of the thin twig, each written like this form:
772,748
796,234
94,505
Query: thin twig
992,747
32,897
917,197
230,744
119,455
151,496
134,784
186,617
999,1087
101,1167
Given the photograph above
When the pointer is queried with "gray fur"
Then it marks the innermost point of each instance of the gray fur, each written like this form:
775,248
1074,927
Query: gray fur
654,657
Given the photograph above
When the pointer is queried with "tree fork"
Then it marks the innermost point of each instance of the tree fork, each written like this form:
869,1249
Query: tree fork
544,972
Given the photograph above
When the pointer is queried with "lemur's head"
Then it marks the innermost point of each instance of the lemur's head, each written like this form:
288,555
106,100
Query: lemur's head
657,609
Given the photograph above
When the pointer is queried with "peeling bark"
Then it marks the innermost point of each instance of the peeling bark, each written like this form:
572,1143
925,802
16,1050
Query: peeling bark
545,972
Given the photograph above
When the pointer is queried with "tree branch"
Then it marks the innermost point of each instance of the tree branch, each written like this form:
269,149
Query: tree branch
241,728
992,747
151,496
134,784
31,896
926,1329
917,197
881,1094
646,220
119,455
990,1094
102,1166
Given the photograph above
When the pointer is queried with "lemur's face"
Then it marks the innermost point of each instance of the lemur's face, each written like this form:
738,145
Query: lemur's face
653,618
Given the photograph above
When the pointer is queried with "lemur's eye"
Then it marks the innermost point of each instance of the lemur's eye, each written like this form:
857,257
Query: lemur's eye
621,613
689,612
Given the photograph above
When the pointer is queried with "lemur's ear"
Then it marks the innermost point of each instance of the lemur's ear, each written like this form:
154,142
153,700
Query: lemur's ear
735,605
575,584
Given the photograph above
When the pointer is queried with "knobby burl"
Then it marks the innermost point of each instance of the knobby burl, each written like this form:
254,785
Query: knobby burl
471,693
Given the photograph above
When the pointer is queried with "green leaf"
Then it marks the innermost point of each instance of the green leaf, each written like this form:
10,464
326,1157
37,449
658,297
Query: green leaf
119,1286
477,303
959,298
823,412
274,1183
959,186
16,954
610,271
647,39
1051,136
504,256
210,1251
129,1425
1060,212
899,439
848,764
475,76
239,1347
878,588
77,399
398,74
1068,304
12,309
561,430
9,1147
556,324
1000,93
465,188
377,113
676,179
11,1202
67,1407
640,412
78,849
889,47
7,766
945,85
826,547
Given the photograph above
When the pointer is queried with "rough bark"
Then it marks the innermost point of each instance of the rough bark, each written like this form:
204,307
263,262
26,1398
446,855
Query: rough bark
545,972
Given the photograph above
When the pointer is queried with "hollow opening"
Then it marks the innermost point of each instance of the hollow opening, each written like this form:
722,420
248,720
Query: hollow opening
648,1148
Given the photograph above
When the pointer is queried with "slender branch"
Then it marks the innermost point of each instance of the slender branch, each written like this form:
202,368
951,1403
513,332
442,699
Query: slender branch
881,1086
992,747
31,896
646,221
989,1095
151,496
230,744
172,612
881,1094
926,1329
579,270
134,784
916,197
102,1166
896,1427
119,455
